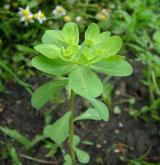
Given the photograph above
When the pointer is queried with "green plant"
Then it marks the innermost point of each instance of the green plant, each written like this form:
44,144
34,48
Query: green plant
74,66
147,49
138,161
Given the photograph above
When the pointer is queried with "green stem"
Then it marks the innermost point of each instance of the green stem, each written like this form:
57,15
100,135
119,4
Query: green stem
71,128
150,85
155,83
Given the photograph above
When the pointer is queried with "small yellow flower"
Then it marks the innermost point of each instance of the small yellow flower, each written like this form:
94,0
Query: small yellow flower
40,16
25,12
103,14
100,17
28,18
26,15
67,18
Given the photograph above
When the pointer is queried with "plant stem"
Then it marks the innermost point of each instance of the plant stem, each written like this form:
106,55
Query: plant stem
40,161
71,128
150,85
155,83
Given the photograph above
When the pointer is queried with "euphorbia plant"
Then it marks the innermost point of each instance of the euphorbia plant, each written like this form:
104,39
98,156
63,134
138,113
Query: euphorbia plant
75,65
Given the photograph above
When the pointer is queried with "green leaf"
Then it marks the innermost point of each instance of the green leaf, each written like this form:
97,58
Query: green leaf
76,141
111,46
13,154
70,33
16,136
49,50
99,112
55,67
102,37
82,156
113,66
92,32
85,82
90,114
45,92
101,108
9,71
156,37
36,140
53,37
59,130
67,160
86,142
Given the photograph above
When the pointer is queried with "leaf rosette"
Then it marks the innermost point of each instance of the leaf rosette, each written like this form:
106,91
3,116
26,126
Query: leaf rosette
61,54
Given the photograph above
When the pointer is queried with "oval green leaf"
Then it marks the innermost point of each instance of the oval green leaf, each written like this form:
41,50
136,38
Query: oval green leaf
92,32
55,67
85,82
101,108
67,160
110,46
70,33
49,50
53,37
113,66
82,156
59,130
89,114
102,37
45,92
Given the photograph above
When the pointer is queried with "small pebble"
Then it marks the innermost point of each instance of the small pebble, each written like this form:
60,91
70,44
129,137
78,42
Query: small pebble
116,150
117,110
116,131
102,125
18,102
104,141
98,146
120,125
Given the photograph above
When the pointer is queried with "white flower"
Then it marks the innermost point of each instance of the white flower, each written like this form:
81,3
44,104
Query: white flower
6,6
40,16
59,11
26,15
106,12
101,16
27,19
78,18
24,12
